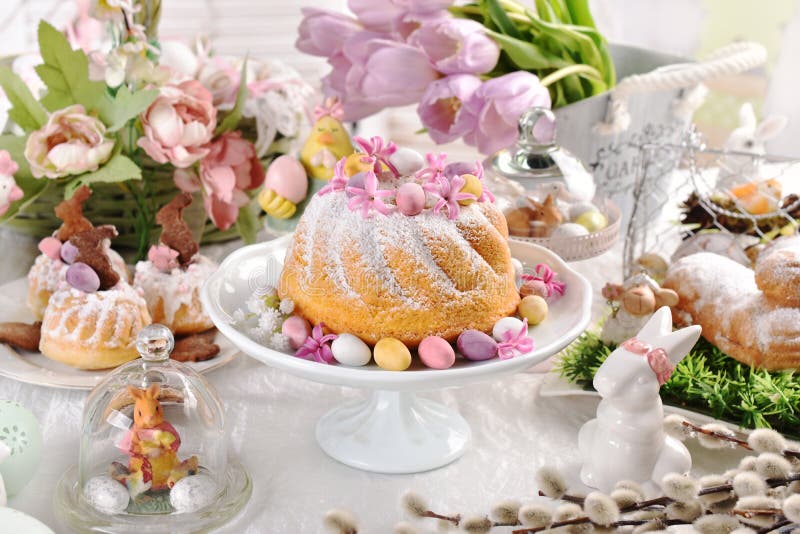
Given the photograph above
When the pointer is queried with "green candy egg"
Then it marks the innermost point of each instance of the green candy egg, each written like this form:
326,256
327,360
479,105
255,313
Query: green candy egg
19,431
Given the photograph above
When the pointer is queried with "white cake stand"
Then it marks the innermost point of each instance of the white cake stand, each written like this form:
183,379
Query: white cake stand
393,430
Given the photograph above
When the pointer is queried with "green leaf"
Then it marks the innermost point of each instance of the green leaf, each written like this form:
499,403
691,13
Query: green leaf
526,55
247,224
580,13
65,72
117,169
31,187
128,105
232,120
25,110
500,18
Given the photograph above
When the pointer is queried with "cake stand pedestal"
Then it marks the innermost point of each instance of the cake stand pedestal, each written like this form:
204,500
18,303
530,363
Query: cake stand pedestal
393,430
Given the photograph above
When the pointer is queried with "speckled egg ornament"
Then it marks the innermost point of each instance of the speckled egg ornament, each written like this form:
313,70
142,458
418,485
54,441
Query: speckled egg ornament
193,493
106,494
20,432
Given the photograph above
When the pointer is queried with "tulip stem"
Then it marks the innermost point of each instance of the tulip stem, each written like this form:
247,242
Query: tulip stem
475,10
553,77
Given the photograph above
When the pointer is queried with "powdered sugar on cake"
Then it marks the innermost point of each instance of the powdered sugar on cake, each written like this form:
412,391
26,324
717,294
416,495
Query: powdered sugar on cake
175,288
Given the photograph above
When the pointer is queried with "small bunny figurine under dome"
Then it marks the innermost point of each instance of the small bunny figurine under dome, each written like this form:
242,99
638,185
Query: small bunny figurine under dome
627,441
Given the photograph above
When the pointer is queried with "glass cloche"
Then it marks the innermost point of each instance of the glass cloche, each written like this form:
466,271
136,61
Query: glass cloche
153,452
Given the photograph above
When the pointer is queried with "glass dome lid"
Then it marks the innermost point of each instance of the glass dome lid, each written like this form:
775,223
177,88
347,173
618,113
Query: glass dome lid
153,450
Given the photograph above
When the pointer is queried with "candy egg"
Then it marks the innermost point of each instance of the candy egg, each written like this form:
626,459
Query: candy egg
477,346
569,230
594,221
504,325
297,330
193,493
473,186
391,354
69,252
106,494
436,353
354,164
534,287
350,350
533,308
579,208
82,277
357,180
410,198
50,247
407,161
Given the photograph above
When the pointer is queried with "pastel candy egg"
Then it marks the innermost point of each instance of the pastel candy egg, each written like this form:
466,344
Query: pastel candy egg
473,186
410,199
569,230
391,354
357,180
504,325
354,164
193,493
350,350
82,277
106,494
594,221
475,345
69,252
297,330
20,433
534,287
579,208
287,177
50,247
436,353
533,308
407,161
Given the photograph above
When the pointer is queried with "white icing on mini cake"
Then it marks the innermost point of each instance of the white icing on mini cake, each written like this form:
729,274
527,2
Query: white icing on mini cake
175,288
47,274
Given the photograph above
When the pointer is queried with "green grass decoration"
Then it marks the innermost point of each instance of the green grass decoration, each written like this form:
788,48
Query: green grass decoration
706,381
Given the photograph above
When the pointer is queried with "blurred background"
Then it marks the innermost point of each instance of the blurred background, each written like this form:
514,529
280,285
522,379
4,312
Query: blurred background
688,28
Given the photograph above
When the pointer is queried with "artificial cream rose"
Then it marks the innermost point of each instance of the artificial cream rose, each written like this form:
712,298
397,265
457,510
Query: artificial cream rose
178,124
71,142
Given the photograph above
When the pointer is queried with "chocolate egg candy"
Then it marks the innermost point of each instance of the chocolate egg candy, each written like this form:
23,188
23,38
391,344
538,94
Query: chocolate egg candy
436,353
410,199
350,350
569,230
69,252
106,495
477,346
594,221
534,287
82,277
297,330
472,186
504,325
533,308
391,354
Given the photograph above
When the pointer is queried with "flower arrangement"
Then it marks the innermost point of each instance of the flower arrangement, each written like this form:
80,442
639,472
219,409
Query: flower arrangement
471,69
138,119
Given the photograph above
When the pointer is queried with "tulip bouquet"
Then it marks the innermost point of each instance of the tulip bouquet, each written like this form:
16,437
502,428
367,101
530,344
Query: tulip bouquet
139,120
471,68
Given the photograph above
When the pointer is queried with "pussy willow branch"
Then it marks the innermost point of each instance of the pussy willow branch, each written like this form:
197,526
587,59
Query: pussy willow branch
775,526
732,439
455,519
584,520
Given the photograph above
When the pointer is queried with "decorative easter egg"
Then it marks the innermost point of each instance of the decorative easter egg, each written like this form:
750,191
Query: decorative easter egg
594,221
534,287
472,186
533,308
357,180
82,277
15,521
567,230
391,354
350,350
410,199
106,494
407,161
504,325
518,268
287,177
436,353
579,208
354,164
69,252
20,432
193,493
50,247
477,346
297,330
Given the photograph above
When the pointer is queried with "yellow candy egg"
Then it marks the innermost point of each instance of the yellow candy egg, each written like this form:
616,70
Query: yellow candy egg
593,221
353,164
473,185
391,354
533,308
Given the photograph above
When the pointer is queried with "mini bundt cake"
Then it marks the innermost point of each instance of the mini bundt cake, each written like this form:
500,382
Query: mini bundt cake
365,261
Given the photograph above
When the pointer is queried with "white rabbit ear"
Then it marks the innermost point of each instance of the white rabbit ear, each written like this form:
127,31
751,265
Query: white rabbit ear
770,127
747,116
678,344
658,326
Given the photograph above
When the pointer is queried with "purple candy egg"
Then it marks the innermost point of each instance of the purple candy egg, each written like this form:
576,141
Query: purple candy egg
410,199
475,345
82,277
69,252
458,168
357,180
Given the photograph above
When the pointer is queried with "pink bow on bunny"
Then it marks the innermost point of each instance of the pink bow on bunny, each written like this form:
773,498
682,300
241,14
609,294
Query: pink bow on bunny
656,358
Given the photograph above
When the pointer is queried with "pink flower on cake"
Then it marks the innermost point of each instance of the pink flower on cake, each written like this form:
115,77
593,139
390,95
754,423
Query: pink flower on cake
435,168
71,142
179,124
441,107
380,151
548,278
475,169
515,344
457,46
164,258
317,346
369,197
323,32
9,190
449,193
339,180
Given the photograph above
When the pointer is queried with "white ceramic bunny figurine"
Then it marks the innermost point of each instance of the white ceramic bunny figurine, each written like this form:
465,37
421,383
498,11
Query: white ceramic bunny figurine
627,441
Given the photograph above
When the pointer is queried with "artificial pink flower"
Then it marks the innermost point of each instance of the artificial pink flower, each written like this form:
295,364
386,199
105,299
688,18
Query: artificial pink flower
369,197
9,190
379,151
339,180
441,105
323,32
515,344
435,168
317,346
179,124
71,142
457,46
449,193
497,105
164,258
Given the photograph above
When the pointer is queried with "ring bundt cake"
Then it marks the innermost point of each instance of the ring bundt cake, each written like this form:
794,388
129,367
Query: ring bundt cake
380,255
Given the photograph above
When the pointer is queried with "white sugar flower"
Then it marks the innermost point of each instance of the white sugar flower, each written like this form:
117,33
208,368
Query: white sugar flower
270,321
279,342
257,335
286,306
256,304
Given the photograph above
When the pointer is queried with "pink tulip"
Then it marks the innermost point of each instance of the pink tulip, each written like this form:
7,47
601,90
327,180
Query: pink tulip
497,105
322,32
376,15
457,46
178,124
441,107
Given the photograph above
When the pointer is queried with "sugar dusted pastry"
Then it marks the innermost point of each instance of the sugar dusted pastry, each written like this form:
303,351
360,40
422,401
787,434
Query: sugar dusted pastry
174,272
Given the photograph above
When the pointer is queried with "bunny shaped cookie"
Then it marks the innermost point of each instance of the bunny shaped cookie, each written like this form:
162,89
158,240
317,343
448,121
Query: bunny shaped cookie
627,441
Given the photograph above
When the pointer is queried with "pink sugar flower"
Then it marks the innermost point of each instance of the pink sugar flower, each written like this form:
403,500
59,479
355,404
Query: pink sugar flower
449,193
515,344
339,180
380,151
435,168
369,197
164,258
317,346
549,278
